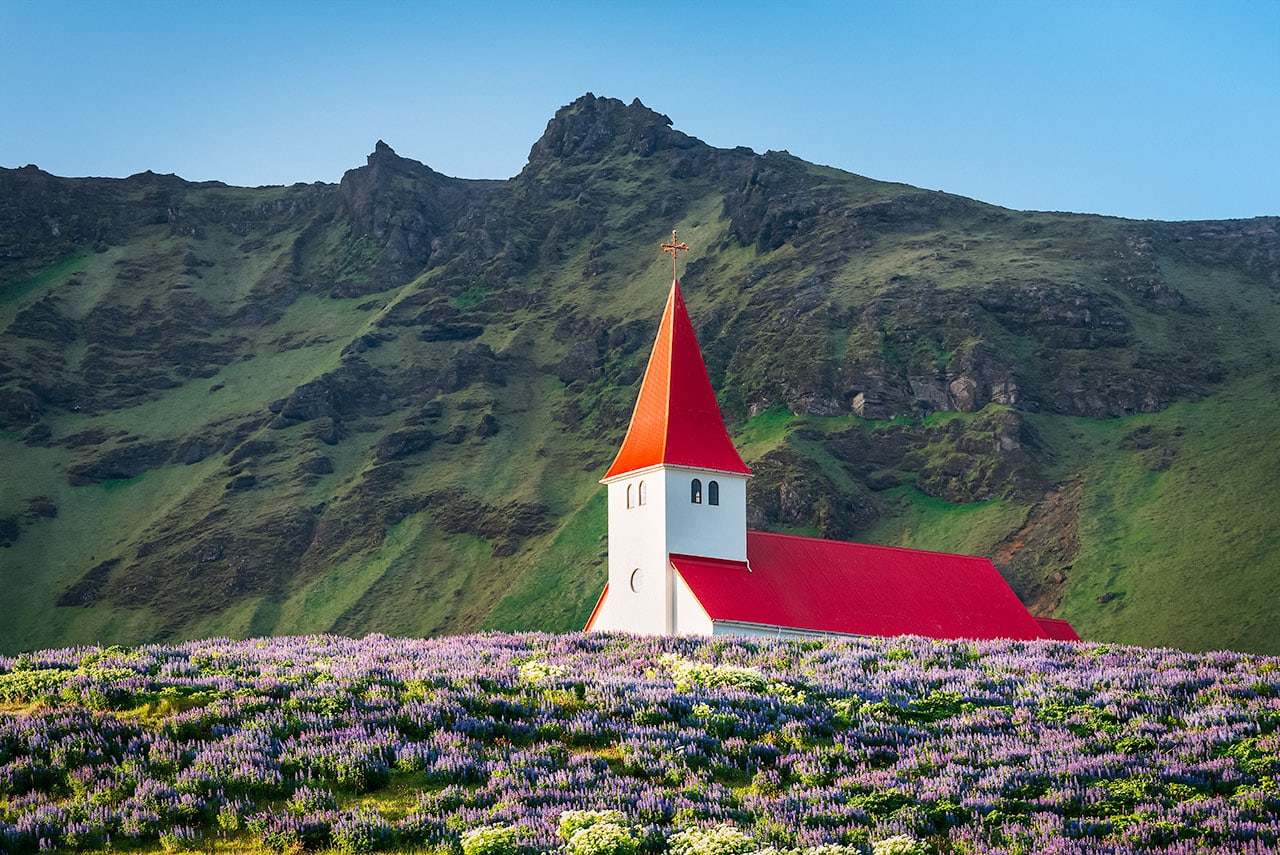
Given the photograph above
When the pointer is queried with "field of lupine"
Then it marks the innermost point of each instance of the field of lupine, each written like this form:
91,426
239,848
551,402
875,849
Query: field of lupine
614,745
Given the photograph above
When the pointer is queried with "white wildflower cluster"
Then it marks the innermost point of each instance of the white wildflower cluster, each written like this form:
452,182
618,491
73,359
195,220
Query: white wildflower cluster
901,844
597,832
726,839
491,840
718,840
687,674
538,671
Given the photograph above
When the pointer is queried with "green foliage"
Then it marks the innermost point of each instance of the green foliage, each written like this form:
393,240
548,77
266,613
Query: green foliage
308,800
39,686
182,839
230,818
1256,755
1135,744
1080,719
364,831
470,297
935,706
881,803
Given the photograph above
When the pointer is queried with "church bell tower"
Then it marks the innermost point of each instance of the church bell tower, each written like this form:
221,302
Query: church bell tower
677,486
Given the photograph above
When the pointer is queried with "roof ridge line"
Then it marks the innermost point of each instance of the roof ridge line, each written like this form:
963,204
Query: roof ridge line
866,545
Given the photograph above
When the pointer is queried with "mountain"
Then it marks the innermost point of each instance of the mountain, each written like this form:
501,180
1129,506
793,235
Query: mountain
384,405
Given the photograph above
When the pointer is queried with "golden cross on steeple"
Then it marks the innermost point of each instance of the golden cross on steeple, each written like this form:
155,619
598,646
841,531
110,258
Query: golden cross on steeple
675,248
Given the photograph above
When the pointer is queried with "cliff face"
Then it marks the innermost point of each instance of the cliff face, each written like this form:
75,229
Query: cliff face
382,405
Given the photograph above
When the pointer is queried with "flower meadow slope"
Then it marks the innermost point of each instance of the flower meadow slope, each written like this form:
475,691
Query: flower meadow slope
599,744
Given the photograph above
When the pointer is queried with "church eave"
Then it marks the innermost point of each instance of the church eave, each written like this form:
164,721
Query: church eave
631,473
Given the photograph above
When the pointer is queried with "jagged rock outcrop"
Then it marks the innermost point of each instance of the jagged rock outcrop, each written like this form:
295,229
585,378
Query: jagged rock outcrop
354,389
590,126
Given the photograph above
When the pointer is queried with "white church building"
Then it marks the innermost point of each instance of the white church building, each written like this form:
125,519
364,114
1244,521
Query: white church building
682,562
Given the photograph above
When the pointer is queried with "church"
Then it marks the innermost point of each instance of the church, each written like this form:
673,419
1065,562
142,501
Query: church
682,562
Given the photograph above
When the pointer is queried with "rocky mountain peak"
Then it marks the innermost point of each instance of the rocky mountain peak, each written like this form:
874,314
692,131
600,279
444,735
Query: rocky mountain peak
383,159
383,153
591,126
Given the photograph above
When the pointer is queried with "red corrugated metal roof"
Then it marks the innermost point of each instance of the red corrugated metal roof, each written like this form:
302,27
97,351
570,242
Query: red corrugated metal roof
676,420
1059,630
830,586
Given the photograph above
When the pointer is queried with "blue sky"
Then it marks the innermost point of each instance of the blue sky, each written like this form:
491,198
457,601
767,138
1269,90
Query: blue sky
1136,108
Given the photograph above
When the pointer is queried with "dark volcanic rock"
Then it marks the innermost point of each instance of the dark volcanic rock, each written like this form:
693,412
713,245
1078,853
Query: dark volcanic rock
1060,315
9,530
316,465
960,460
326,430
451,332
38,436
582,362
790,491
209,563
590,126
41,506
195,449
408,211
245,481
19,408
42,321
88,590
403,443
368,341
353,389
776,201
488,426
476,363
121,463
252,449
460,512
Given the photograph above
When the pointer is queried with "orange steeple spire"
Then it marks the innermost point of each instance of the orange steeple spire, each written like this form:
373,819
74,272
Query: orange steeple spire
677,421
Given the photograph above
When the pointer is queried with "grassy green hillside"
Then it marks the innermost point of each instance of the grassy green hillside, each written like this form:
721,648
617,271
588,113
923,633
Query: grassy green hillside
384,405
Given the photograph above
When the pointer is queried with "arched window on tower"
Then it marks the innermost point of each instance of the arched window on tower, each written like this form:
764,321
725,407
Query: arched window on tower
695,492
713,492
630,502
644,494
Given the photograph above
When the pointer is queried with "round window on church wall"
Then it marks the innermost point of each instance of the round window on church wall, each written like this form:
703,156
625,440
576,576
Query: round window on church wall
637,579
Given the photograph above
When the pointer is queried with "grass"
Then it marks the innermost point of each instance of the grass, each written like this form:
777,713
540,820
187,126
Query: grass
557,591
918,521
12,294
765,432
1190,553
92,524
322,602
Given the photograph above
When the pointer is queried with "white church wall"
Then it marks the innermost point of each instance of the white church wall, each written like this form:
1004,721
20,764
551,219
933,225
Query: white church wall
714,531
640,597
690,617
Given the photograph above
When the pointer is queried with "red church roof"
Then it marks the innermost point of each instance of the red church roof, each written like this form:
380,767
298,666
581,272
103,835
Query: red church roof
677,421
829,586
1059,630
